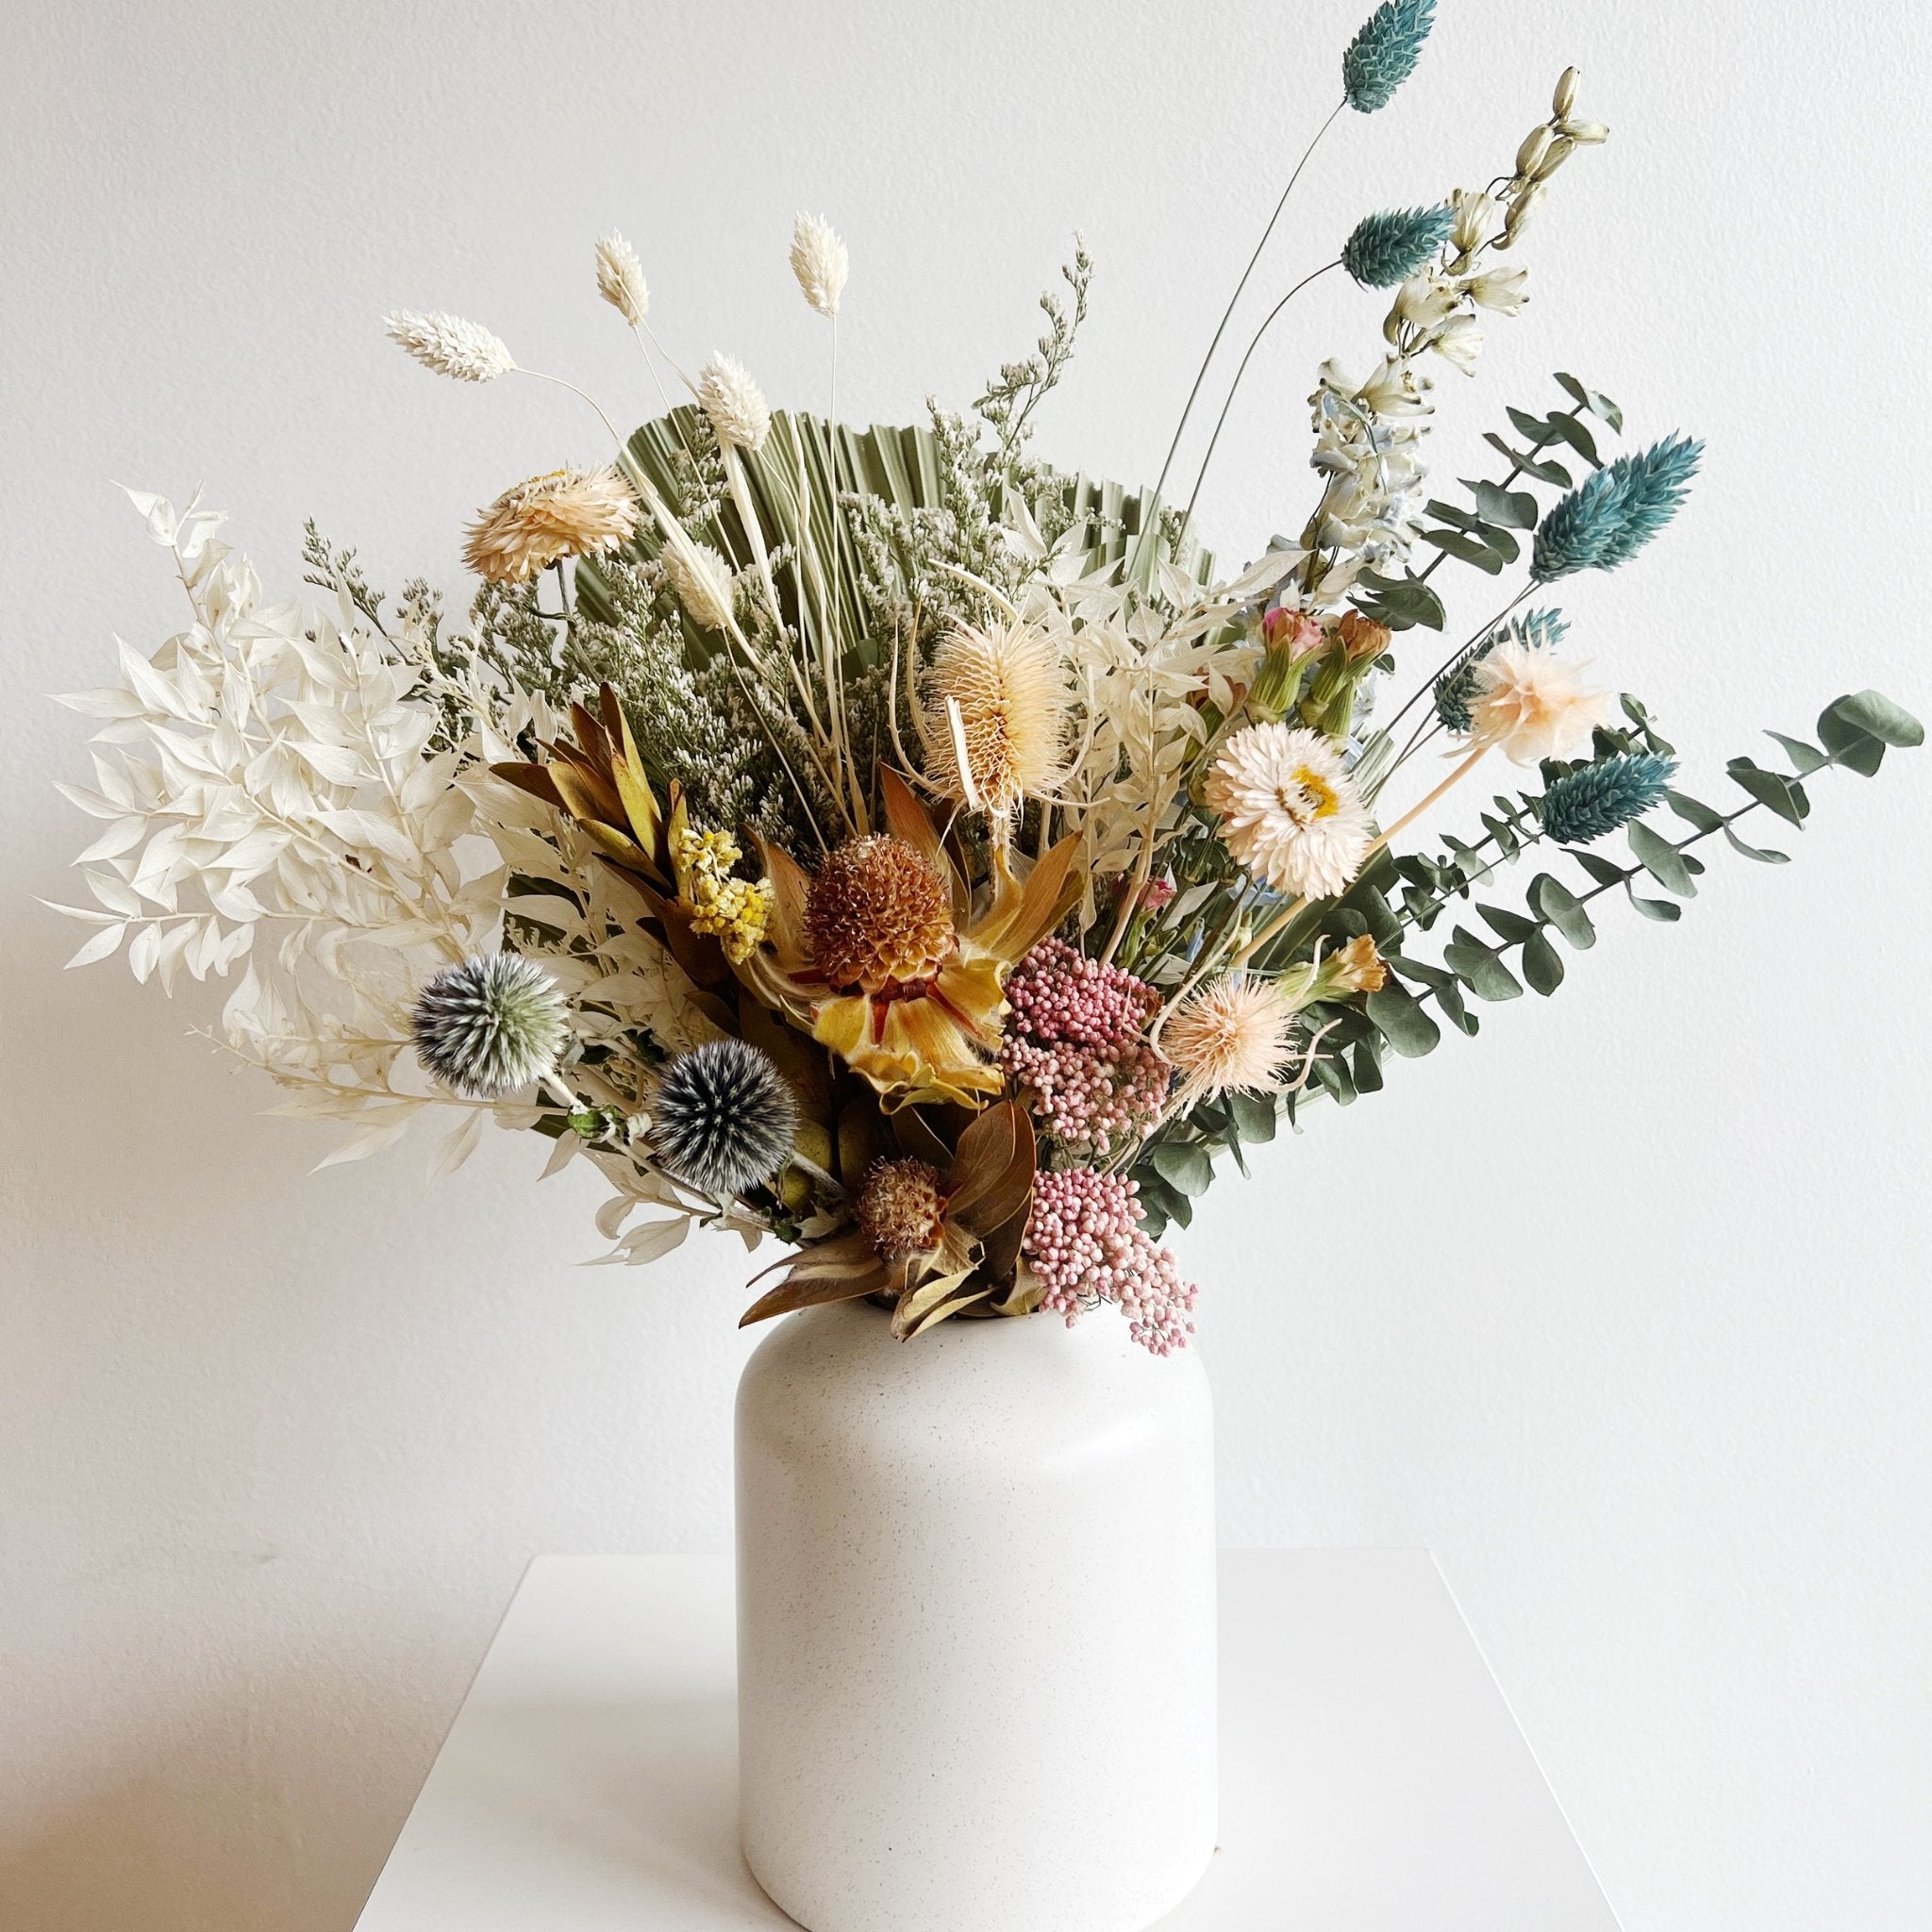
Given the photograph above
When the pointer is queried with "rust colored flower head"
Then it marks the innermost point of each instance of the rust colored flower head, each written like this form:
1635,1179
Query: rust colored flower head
1361,637
567,513
901,1209
877,915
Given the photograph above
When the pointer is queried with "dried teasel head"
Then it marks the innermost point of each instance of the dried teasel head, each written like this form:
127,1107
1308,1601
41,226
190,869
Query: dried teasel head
878,915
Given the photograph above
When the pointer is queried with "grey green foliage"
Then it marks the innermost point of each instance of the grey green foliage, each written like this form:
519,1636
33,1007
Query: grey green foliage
1500,950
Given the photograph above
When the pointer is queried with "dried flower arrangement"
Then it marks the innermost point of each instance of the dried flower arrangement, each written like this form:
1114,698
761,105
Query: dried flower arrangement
886,842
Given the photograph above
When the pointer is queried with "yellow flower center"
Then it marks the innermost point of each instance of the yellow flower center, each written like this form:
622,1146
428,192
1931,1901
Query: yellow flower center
1311,796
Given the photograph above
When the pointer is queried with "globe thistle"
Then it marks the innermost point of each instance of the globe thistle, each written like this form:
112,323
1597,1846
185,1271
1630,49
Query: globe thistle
1383,54
1594,800
1235,1033
1289,812
1608,519
450,346
900,1209
491,1026
1529,705
565,513
733,404
821,263
1456,690
725,1119
1388,248
1008,690
877,915
621,278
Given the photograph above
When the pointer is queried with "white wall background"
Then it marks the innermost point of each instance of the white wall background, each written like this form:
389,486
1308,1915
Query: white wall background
1622,1308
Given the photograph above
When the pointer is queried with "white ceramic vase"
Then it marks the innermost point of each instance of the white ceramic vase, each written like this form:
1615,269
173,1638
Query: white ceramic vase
976,1624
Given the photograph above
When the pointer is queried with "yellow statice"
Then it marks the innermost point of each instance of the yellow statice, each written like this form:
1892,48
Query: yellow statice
734,911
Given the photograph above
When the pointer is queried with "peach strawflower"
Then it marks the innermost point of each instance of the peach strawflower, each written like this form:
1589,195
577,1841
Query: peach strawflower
1530,706
566,514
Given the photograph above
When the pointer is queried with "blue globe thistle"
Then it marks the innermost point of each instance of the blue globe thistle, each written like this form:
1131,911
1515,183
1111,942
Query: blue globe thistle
1383,55
1388,248
725,1118
490,1025
1593,800
1607,519
1456,690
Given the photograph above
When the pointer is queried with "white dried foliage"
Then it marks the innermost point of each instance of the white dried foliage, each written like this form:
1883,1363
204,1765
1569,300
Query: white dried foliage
451,346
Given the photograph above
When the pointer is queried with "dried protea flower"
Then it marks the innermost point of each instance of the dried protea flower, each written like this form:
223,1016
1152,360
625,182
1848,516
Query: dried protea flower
877,915
566,514
491,1026
703,581
820,262
450,346
900,1209
621,278
1234,1033
724,1116
997,704
732,404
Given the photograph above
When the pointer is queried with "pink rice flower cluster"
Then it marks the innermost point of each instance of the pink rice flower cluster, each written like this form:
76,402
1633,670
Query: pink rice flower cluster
1084,1244
1074,1043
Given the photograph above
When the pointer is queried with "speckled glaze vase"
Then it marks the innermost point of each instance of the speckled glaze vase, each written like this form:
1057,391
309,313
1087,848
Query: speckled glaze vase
976,1624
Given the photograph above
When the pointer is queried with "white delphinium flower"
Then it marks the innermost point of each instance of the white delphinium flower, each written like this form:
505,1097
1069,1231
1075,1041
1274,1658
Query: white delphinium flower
702,582
1289,811
733,404
1424,302
621,278
1476,218
450,346
1504,290
1530,705
1460,343
821,263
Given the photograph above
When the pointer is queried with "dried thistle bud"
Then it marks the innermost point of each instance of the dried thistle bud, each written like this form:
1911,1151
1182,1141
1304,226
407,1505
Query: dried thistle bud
1555,156
1535,144
1565,97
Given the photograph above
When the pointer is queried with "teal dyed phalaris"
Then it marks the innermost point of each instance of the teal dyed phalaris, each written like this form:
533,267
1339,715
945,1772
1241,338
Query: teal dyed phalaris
1594,800
1388,248
1383,55
1607,519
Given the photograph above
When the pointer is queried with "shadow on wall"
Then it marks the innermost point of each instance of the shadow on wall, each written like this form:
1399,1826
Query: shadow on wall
270,1805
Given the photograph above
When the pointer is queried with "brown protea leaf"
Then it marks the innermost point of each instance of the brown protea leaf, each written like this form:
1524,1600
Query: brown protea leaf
839,1269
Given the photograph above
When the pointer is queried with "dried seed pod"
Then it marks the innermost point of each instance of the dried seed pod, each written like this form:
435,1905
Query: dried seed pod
1535,144
1555,156
1565,97
1521,208
1583,133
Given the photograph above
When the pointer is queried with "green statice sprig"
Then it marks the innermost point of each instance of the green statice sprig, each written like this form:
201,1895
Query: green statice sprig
1384,53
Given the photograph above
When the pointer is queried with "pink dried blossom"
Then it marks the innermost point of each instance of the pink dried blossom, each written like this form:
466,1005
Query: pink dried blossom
1084,1244
1074,1045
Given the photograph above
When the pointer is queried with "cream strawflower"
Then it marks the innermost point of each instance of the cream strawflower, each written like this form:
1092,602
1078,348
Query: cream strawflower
1530,704
1233,1033
450,346
621,278
1009,689
820,261
1289,810
733,404
702,582
567,513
